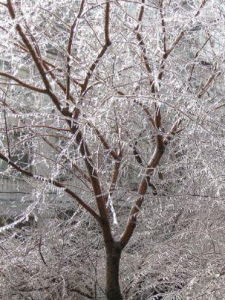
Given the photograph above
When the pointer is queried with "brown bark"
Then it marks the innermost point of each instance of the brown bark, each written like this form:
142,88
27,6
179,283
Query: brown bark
113,254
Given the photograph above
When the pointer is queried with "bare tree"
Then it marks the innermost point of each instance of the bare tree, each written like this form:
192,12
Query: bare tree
94,98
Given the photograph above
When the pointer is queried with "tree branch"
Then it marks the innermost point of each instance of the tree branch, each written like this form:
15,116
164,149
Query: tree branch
24,84
163,24
153,163
37,60
69,49
175,43
104,142
142,45
53,182
131,223
103,50
207,84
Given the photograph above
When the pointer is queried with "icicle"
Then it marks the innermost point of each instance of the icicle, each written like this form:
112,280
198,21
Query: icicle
12,225
110,205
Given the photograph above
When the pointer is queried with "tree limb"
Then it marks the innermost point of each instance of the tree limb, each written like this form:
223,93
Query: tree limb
53,182
24,84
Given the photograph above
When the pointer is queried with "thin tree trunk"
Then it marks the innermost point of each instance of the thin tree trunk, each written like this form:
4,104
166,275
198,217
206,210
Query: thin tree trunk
113,253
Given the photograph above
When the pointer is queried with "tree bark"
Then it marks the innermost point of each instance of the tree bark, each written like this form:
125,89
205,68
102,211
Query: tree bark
113,254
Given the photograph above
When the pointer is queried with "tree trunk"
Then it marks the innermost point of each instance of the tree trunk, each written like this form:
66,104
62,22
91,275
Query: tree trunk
113,253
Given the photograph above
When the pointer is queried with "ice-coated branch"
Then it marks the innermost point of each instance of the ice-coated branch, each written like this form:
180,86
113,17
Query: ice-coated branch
23,84
69,49
54,183
153,163
103,50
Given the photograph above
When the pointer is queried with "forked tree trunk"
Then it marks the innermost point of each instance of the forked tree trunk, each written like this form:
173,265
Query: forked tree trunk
113,253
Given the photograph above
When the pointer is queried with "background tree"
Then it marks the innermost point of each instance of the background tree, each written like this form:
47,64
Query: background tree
92,101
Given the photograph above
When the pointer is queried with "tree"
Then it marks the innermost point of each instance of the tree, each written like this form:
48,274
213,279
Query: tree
95,95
